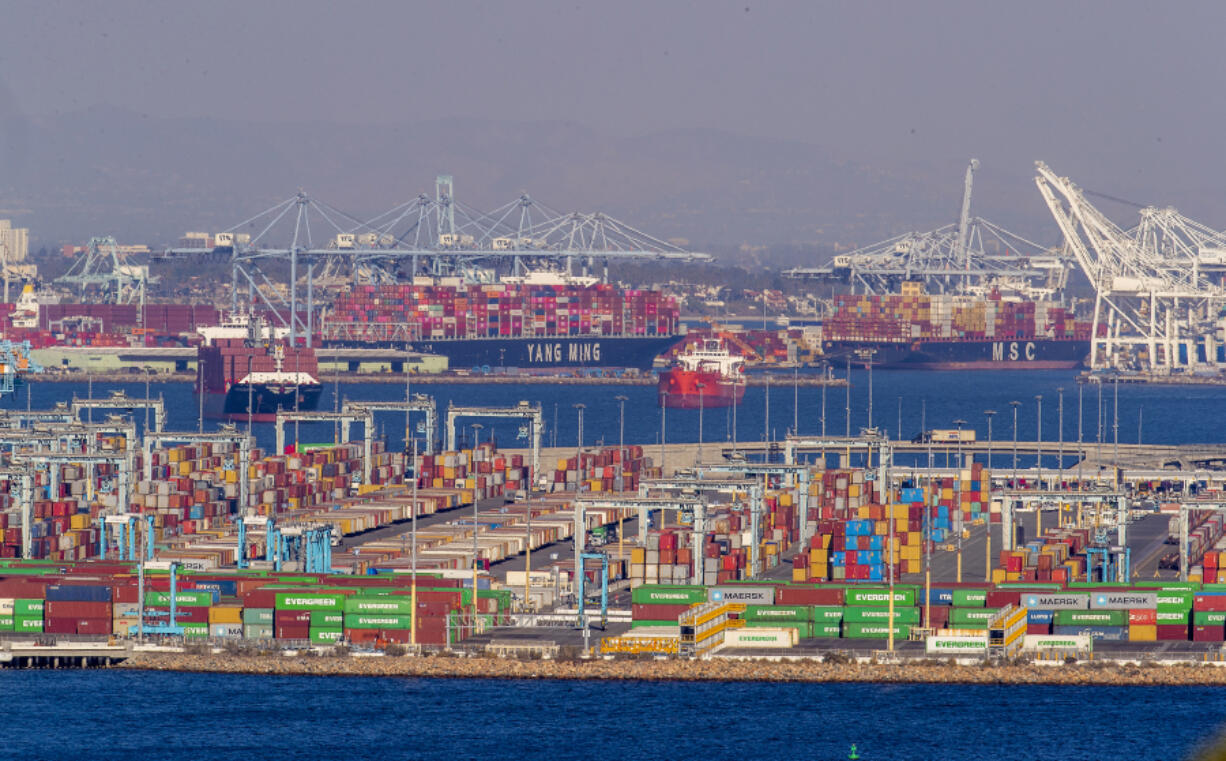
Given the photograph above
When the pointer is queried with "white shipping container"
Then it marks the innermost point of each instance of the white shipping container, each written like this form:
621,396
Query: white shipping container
753,637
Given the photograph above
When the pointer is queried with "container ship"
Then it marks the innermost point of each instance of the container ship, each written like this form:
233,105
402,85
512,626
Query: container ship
915,330
706,376
250,380
541,321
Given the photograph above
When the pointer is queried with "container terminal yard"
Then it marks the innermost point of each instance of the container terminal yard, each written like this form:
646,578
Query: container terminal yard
114,541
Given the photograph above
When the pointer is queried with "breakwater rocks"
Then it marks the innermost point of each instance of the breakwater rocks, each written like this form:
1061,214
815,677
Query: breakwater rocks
717,670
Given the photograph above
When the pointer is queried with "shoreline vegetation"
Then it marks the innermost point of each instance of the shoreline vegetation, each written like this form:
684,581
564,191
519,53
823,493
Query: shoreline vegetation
1096,673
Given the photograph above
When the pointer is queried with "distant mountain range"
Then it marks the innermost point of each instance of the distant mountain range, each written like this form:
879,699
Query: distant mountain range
148,180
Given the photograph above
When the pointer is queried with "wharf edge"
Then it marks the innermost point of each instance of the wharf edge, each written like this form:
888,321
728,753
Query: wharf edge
720,669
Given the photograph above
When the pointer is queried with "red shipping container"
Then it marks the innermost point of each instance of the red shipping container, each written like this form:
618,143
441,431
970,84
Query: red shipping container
296,631
94,626
75,609
642,612
1143,617
808,596
1209,602
1208,633
1172,631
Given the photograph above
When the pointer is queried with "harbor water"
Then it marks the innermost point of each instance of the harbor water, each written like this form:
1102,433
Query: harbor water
104,715
903,402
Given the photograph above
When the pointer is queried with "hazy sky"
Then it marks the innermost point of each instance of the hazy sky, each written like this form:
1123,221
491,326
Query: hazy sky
1127,95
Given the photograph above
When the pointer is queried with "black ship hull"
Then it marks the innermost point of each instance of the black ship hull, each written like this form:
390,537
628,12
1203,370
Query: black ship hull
535,353
265,400
1020,354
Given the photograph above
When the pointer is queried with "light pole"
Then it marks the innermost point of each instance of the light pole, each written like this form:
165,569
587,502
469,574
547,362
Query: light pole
900,418
1039,439
476,432
413,555
663,427
825,376
621,436
766,422
1015,404
988,414
795,401
847,401
958,498
701,387
1060,434
579,406
1115,428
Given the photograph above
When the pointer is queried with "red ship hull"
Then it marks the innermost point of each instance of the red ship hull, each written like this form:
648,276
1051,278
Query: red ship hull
679,389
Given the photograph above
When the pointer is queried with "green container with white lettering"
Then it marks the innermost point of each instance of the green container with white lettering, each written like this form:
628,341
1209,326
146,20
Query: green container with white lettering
874,631
1091,618
878,596
977,616
866,615
377,621
970,598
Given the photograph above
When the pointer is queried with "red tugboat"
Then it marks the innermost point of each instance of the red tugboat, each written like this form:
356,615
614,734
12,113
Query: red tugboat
706,376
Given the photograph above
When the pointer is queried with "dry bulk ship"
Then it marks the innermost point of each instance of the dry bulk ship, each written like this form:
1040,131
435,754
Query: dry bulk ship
915,330
542,321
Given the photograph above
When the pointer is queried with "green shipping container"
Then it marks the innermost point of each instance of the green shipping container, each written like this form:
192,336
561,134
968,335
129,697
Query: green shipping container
880,596
1191,586
1175,599
258,616
967,625
196,630
1209,617
1091,617
6,623
310,600
183,599
258,631
380,604
970,598
881,615
874,631
804,629
781,613
827,614
29,625
1172,617
327,619
645,623
28,608
659,594
977,616
827,630
326,636
377,621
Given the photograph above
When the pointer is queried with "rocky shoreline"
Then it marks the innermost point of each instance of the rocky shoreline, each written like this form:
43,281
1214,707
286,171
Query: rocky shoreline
718,670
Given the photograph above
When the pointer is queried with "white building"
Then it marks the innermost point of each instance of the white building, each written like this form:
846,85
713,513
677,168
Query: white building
14,243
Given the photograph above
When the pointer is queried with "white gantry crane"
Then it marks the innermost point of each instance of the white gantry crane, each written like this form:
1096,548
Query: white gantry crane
972,255
1156,305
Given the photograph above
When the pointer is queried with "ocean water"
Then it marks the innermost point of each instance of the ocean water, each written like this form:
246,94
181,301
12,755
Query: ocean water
903,401
103,715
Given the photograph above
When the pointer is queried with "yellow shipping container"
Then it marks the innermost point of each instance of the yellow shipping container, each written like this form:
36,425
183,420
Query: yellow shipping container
853,490
1142,633
819,571
800,575
80,521
638,555
226,614
998,575
899,512
881,528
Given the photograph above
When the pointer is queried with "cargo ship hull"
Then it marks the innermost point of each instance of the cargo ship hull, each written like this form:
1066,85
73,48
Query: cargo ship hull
679,389
1019,354
231,406
532,353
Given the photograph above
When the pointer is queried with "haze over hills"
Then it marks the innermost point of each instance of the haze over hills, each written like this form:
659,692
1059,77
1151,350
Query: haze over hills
144,179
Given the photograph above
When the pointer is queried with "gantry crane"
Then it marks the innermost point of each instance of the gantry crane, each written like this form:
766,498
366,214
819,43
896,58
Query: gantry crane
1151,292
